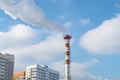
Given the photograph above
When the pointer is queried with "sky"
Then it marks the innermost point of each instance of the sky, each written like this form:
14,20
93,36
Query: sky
33,31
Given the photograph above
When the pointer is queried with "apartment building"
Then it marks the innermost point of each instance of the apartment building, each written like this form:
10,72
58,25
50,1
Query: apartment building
6,66
19,76
41,72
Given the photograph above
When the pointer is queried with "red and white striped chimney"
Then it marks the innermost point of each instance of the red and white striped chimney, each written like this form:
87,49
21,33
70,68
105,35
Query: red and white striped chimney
67,55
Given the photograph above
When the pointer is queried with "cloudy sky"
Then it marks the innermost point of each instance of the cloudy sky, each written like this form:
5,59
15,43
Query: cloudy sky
33,31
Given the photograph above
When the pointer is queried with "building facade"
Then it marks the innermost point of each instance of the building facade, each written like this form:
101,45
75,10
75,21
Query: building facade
19,76
6,66
41,72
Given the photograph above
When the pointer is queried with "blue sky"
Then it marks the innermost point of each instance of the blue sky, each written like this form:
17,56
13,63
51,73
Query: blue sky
33,31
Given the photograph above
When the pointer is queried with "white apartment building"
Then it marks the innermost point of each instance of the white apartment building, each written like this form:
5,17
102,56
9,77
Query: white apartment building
6,66
41,72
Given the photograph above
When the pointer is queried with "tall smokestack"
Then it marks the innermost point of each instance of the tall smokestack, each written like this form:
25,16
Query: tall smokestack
67,55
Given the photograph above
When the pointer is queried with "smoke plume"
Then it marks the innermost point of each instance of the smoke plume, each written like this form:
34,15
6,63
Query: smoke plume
27,11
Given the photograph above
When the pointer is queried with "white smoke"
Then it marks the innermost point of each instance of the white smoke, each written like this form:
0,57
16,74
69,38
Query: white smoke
27,11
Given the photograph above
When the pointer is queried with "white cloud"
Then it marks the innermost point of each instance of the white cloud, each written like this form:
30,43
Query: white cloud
78,70
19,35
27,11
68,24
62,17
104,39
45,50
84,21
21,31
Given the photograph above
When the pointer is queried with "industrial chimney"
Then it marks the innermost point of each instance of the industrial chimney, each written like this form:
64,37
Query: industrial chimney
67,59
